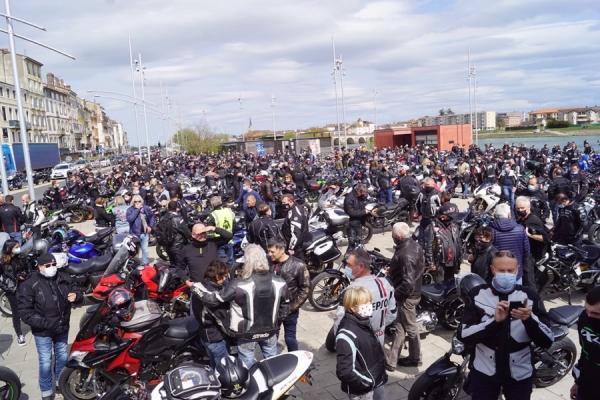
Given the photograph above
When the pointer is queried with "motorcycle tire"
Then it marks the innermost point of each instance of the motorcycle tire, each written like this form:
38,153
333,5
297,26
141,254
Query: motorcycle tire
236,270
160,251
4,304
452,312
594,234
477,205
326,285
366,233
77,215
330,341
312,197
71,381
10,385
564,351
152,240
36,181
427,278
432,388
88,212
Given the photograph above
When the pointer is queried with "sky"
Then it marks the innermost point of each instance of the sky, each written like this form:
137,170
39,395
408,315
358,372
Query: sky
402,59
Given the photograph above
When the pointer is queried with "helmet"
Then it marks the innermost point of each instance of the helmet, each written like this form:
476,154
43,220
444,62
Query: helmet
467,282
233,375
133,245
40,246
121,304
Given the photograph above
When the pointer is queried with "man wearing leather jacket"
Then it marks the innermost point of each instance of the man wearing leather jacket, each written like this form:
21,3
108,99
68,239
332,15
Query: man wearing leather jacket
266,192
384,183
52,196
406,272
11,218
354,206
442,244
579,184
181,234
570,222
295,274
32,211
538,199
295,226
73,188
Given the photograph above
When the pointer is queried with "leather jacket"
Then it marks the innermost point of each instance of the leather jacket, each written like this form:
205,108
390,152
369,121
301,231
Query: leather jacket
182,234
266,191
406,269
296,276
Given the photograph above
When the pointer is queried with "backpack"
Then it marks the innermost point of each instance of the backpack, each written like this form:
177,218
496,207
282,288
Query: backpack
165,235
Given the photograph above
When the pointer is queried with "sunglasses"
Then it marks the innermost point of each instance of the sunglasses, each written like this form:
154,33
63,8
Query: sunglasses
137,201
50,265
505,253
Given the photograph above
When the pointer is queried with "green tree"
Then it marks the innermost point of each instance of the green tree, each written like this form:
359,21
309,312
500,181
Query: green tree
449,112
500,123
199,139
442,112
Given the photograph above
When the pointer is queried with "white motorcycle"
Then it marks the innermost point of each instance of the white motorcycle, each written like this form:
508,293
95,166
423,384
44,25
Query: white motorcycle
485,197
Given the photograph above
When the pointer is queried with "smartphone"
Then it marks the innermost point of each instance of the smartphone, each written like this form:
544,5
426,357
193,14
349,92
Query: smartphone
513,305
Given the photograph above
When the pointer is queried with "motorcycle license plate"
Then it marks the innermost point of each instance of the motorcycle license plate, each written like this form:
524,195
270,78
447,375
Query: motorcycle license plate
577,270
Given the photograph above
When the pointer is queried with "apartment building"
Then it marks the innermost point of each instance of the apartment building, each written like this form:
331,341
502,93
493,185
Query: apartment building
513,118
580,116
485,120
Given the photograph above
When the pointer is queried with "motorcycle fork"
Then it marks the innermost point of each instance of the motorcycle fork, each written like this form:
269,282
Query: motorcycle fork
458,376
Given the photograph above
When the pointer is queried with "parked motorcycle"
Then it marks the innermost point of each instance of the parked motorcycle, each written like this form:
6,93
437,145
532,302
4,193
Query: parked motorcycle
390,213
485,197
318,220
10,384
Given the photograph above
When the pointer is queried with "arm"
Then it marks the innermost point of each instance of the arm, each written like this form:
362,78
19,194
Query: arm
537,325
213,299
27,308
74,288
151,217
303,282
428,238
346,360
132,214
472,331
392,308
224,235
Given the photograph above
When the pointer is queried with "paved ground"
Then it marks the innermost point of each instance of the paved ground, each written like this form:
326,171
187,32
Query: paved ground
312,330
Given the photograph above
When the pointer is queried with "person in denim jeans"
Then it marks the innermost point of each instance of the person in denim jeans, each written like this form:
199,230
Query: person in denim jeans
141,222
11,218
45,301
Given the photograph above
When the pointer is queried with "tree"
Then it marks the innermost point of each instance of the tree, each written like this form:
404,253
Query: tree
199,139
449,112
442,112
500,123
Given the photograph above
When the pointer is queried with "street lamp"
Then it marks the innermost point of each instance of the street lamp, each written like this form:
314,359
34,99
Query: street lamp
137,127
141,69
340,67
273,110
242,117
375,91
334,75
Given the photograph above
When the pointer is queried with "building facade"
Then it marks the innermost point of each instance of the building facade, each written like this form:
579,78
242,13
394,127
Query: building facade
442,137
513,118
580,116
485,120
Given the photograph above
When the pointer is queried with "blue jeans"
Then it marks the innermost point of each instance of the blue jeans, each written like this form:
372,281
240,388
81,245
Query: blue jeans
216,352
465,191
227,250
290,324
44,345
144,237
484,389
273,209
246,349
16,236
510,196
386,195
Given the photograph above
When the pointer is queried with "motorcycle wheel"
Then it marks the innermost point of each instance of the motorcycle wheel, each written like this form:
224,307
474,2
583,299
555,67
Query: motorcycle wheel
312,197
10,385
594,234
160,251
330,341
564,351
453,309
432,388
366,233
45,210
152,240
75,385
478,205
4,304
77,215
236,270
88,213
427,278
325,290
307,209
36,181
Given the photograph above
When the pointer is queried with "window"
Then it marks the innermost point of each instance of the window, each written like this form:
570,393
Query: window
28,68
25,97
8,93
4,113
14,95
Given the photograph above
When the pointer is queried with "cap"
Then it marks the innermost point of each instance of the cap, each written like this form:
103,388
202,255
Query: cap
46,258
449,209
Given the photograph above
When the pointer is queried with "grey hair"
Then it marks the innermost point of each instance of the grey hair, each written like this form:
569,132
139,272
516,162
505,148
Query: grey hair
255,260
362,187
502,211
137,197
525,200
362,257
428,180
401,229
216,201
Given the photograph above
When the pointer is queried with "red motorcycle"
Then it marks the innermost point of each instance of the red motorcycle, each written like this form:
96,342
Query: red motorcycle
126,342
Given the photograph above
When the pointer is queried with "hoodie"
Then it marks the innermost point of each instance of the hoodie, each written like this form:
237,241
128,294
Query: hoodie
508,235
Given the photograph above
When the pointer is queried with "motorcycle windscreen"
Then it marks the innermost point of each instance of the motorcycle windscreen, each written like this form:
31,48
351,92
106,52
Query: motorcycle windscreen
91,324
118,261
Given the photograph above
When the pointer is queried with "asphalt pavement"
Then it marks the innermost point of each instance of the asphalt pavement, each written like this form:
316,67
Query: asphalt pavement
313,327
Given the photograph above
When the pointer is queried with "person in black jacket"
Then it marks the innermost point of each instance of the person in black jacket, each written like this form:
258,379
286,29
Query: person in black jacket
570,222
484,253
266,192
360,359
14,271
210,318
579,184
538,199
295,226
559,185
587,369
11,218
384,183
181,234
102,217
442,244
45,301
295,274
261,230
406,272
196,255
354,206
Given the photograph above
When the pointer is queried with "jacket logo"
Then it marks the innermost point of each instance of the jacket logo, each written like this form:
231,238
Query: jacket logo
590,336
260,335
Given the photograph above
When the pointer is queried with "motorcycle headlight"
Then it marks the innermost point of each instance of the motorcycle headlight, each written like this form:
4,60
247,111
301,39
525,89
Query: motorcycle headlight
458,347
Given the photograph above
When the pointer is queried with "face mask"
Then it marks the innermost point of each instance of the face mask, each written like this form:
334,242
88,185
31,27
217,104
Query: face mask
506,170
349,274
247,189
531,188
480,245
428,189
286,206
126,198
505,281
397,241
50,272
561,206
521,213
17,251
365,310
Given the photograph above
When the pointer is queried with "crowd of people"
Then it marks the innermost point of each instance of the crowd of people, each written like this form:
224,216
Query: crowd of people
274,282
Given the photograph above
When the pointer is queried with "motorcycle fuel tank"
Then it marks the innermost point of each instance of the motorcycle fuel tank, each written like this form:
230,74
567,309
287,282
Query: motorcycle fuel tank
83,250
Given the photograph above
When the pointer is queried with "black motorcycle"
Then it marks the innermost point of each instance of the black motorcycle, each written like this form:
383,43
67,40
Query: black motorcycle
390,213
445,379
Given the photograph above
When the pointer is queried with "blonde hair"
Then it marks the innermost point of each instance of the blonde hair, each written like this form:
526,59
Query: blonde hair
355,296
119,201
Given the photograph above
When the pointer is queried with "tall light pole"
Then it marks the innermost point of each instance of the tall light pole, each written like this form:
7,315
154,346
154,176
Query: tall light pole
169,119
137,126
141,69
375,92
475,103
273,114
242,117
162,102
470,73
334,75
342,69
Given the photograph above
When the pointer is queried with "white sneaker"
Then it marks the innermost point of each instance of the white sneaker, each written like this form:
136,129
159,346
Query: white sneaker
21,340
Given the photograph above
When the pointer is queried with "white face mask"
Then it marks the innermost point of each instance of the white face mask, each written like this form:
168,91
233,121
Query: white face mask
50,272
365,310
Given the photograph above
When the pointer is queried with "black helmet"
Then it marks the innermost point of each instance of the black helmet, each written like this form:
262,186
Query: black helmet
467,282
121,304
40,246
133,244
234,376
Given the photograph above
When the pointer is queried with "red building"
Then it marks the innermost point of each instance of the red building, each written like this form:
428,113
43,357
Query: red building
441,136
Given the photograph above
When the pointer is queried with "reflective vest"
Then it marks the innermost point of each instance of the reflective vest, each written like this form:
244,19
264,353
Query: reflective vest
224,219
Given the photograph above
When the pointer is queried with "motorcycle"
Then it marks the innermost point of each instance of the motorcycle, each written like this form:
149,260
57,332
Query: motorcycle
388,214
106,350
445,379
80,247
318,220
271,378
10,384
485,197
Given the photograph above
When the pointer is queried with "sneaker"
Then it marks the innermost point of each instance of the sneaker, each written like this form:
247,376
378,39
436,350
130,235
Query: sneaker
405,362
21,340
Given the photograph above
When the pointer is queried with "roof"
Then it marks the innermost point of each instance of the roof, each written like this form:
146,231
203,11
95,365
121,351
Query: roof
551,110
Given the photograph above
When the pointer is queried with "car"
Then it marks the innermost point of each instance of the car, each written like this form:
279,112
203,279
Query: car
61,170
104,162
81,163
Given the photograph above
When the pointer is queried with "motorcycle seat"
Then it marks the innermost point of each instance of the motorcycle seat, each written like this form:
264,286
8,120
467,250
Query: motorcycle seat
277,369
565,315
182,328
460,217
93,264
391,205
313,236
99,236
593,252
434,291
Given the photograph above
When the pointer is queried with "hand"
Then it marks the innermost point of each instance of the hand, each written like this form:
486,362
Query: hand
71,297
189,283
521,313
574,391
291,252
205,229
148,230
551,234
501,311
514,189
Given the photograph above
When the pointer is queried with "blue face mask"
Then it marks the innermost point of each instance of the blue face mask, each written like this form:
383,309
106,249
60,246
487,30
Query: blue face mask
506,281
531,188
349,274
560,206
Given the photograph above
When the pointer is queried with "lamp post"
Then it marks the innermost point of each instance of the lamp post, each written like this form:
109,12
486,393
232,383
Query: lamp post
162,102
137,127
340,67
141,69
242,117
273,114
334,75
